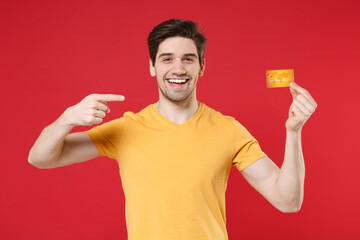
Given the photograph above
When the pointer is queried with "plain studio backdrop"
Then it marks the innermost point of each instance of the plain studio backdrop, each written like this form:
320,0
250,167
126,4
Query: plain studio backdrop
54,53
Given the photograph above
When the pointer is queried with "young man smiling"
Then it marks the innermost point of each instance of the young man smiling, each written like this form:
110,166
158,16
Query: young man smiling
177,69
175,155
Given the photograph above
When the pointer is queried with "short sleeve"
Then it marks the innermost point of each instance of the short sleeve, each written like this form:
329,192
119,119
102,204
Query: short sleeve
106,137
246,149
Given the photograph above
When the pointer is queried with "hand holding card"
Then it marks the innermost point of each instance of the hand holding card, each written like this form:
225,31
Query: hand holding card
302,107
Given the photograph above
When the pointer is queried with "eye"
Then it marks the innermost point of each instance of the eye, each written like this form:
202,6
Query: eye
166,59
189,59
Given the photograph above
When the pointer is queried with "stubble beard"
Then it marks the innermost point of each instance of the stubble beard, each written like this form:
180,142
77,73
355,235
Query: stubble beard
176,98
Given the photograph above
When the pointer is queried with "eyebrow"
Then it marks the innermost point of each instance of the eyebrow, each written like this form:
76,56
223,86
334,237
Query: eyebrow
171,54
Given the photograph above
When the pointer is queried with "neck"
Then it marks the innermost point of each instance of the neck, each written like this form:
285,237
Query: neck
177,112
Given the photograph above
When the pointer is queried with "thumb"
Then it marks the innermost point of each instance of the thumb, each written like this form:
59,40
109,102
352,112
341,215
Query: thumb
293,92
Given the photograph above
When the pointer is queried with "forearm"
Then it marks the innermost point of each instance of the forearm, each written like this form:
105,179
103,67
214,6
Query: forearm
53,148
290,181
49,144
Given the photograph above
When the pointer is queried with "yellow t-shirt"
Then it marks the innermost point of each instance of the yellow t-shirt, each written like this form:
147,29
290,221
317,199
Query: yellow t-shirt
174,176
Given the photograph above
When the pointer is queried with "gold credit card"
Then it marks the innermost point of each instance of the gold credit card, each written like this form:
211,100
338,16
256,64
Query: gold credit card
279,78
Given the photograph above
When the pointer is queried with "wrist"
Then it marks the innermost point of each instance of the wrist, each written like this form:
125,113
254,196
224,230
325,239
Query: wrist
65,119
293,132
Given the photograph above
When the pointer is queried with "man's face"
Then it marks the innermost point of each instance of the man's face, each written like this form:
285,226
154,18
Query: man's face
177,68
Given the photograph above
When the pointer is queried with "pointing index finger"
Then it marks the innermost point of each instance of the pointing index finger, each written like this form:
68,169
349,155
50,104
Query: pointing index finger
110,97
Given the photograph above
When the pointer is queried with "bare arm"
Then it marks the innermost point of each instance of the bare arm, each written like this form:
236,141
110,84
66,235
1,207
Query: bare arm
284,188
55,147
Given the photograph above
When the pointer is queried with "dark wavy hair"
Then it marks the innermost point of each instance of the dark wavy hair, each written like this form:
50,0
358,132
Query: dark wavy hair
176,28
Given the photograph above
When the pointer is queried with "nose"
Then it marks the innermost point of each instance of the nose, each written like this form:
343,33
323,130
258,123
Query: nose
179,67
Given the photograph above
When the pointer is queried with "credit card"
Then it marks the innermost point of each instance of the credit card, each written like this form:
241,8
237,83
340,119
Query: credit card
279,78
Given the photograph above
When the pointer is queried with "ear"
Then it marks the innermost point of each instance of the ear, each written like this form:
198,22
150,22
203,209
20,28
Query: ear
152,69
202,68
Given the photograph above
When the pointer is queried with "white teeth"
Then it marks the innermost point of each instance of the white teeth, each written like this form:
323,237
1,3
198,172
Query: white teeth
177,80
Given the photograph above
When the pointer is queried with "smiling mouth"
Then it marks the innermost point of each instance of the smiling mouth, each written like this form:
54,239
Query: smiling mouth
177,80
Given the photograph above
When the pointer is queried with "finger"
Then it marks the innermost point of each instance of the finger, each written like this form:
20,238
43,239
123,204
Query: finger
296,111
306,103
294,93
302,91
306,99
100,114
98,120
303,109
102,106
109,97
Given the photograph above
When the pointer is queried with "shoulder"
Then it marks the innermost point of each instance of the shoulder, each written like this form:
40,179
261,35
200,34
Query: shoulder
224,121
113,128
142,116
217,116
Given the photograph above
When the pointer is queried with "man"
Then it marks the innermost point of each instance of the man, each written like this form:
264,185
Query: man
175,155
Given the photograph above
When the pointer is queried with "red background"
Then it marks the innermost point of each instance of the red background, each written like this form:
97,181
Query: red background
54,53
